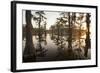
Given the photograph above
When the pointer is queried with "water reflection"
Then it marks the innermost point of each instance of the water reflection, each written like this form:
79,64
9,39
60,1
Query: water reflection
55,48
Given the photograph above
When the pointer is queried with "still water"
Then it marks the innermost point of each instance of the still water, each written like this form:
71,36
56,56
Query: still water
54,48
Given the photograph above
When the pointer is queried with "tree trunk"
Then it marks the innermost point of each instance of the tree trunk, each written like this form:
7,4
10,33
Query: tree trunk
87,40
29,52
45,29
70,33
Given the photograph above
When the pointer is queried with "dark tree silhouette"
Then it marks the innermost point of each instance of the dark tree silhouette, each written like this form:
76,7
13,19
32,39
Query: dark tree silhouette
87,40
45,28
40,19
69,19
52,28
40,50
58,30
29,52
70,33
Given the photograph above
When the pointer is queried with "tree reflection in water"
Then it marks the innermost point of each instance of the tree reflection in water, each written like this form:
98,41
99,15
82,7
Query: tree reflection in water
63,51
40,50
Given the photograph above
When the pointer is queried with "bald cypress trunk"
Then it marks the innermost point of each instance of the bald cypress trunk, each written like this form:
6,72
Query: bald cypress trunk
87,40
70,33
29,52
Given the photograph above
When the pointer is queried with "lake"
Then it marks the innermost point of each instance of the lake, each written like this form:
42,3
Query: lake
55,48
